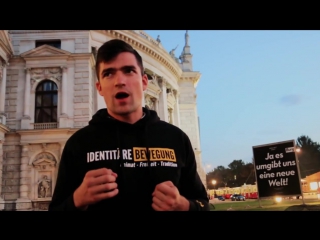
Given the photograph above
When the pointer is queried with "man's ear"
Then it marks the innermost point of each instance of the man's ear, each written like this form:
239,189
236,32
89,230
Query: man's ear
98,87
144,82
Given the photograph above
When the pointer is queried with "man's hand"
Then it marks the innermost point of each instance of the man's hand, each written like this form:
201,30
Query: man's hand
97,185
166,197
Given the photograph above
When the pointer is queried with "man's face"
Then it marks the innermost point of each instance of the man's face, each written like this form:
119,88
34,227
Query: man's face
121,85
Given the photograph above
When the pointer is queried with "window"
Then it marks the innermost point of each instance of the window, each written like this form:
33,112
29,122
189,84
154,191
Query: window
53,43
46,102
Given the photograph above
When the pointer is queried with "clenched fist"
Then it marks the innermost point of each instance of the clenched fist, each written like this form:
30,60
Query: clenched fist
97,185
166,197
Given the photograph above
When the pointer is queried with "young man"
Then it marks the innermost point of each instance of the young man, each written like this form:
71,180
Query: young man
127,158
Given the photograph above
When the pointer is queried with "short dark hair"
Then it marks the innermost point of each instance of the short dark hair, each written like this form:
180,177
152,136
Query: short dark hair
111,49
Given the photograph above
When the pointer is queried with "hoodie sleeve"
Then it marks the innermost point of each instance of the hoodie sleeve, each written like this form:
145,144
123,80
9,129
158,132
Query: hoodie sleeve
192,187
62,199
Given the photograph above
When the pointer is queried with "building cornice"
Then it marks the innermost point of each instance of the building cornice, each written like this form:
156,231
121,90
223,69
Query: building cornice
3,128
87,56
5,43
191,76
42,31
148,47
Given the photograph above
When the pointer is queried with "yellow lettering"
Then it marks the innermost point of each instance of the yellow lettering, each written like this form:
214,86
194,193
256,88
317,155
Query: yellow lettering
139,154
162,154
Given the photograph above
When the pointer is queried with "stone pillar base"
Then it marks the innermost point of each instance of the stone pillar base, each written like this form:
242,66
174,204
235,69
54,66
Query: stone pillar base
23,204
3,118
64,121
2,202
25,122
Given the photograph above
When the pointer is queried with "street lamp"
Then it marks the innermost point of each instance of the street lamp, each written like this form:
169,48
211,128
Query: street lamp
214,183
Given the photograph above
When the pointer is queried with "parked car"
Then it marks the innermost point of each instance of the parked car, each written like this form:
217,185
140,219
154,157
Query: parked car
238,197
221,198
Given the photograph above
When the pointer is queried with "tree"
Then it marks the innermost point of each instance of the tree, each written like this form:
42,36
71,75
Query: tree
236,166
309,156
236,174
249,173
221,174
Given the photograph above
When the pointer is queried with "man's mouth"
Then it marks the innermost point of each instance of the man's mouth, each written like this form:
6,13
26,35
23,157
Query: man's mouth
121,95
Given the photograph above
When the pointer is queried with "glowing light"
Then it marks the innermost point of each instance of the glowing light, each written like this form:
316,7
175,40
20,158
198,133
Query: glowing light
214,182
278,199
313,186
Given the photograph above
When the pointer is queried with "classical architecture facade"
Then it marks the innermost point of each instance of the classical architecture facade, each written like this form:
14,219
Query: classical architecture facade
47,92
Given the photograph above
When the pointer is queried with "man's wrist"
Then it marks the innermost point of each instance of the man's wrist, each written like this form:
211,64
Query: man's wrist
77,204
184,204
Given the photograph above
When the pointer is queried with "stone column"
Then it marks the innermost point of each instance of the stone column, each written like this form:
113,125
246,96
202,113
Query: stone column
3,79
26,110
176,110
171,120
23,202
25,121
163,104
154,103
1,167
63,119
64,91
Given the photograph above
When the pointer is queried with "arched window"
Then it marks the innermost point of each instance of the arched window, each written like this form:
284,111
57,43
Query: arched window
46,102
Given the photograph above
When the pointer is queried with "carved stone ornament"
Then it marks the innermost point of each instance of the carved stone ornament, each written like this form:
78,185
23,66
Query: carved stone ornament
38,74
162,82
44,155
43,205
150,102
44,187
154,81
44,164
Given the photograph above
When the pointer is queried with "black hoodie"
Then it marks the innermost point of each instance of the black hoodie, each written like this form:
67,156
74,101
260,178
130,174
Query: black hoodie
143,155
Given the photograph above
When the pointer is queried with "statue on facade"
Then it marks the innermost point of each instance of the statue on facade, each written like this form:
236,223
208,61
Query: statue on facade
172,54
44,187
158,39
149,103
187,38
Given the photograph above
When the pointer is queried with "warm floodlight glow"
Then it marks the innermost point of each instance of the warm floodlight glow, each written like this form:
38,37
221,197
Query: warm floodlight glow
214,182
278,199
313,186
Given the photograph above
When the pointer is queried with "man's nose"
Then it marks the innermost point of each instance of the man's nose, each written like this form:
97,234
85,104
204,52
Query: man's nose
120,79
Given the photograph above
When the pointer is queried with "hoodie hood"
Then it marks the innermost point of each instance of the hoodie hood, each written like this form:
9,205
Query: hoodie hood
102,117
